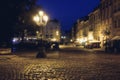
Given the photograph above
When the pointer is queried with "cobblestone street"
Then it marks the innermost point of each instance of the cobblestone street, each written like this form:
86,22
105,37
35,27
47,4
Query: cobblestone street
60,40
60,65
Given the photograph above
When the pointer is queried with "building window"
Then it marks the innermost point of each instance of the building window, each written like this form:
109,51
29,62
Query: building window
51,36
47,36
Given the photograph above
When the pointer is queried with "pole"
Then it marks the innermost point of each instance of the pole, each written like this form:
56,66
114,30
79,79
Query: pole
41,52
41,20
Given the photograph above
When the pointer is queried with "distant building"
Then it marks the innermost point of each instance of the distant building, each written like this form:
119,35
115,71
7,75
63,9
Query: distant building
52,31
95,29
82,30
91,26
73,32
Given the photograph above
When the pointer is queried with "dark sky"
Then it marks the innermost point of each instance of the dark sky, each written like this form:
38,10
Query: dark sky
68,11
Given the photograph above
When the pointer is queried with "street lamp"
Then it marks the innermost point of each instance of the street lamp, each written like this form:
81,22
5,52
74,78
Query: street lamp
41,20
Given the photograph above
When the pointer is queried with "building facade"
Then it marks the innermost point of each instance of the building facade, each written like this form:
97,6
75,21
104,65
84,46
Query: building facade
52,31
82,30
116,18
73,32
110,18
103,23
106,12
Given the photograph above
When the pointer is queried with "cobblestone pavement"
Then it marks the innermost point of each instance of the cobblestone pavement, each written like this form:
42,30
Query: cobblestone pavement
60,65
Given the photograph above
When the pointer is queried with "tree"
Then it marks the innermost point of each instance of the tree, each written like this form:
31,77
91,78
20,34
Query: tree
106,32
14,16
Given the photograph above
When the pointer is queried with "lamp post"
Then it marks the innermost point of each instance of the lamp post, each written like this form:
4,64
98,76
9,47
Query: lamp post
41,20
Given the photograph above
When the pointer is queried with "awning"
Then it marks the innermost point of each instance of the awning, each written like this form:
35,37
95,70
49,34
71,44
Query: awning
116,38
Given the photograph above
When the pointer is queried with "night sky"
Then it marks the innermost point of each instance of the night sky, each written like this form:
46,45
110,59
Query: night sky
68,11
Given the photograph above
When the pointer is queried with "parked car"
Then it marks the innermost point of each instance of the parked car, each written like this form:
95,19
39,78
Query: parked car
92,45
5,48
55,45
77,43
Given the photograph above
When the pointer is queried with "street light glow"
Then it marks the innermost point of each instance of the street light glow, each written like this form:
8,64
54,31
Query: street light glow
40,19
57,33
37,32
41,13
45,18
36,18
54,39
